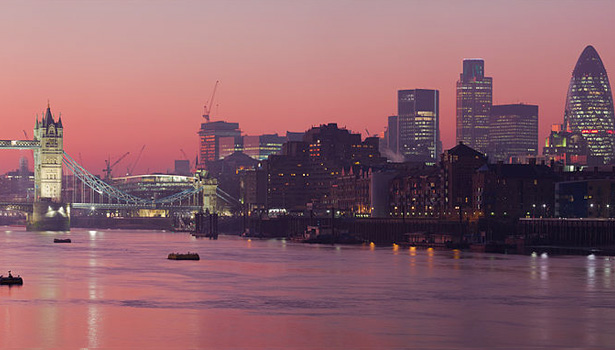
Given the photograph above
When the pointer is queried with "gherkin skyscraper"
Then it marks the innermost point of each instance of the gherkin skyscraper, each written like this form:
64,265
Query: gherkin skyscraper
589,105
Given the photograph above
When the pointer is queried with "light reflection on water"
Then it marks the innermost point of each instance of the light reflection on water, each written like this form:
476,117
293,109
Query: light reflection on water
117,289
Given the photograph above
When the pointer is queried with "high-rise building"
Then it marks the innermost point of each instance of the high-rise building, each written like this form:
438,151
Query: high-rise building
589,105
513,131
474,98
392,136
261,146
210,135
418,124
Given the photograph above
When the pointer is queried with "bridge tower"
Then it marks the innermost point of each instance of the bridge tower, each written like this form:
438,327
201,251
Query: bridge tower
49,213
209,185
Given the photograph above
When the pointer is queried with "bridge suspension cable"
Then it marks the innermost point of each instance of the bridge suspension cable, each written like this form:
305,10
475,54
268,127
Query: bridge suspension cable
99,185
123,199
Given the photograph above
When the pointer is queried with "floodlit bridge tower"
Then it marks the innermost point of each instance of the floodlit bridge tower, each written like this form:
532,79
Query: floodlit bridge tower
49,213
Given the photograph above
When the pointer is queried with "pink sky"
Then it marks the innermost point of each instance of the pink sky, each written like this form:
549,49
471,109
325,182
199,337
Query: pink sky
128,74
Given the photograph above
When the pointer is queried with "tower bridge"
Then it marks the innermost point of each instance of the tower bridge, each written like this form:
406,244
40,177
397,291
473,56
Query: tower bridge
51,211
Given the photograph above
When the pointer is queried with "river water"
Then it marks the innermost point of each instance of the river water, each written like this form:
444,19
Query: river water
116,288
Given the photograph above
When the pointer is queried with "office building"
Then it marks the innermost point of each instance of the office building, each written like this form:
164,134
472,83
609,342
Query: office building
513,131
418,128
261,146
210,135
474,99
589,105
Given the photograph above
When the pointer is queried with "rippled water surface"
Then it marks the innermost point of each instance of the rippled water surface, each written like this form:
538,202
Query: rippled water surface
117,289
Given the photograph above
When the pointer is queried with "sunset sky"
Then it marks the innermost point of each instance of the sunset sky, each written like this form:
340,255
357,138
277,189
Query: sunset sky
128,74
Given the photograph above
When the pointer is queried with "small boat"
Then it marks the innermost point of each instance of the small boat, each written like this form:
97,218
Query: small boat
11,280
61,240
184,256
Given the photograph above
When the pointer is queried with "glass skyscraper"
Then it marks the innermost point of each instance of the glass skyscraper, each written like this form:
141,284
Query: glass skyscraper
418,125
589,105
474,98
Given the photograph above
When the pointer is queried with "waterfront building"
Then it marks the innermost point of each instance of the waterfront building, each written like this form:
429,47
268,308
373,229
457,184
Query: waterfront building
513,131
253,188
589,105
303,174
227,170
513,190
416,193
458,167
350,192
588,198
153,186
474,99
289,178
210,135
418,125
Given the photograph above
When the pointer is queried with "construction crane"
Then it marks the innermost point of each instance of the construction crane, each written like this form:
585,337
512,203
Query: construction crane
25,134
109,166
207,110
131,168
183,154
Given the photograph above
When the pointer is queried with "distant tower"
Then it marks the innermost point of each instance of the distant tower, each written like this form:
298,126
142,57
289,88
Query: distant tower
418,124
513,131
589,105
474,99
48,159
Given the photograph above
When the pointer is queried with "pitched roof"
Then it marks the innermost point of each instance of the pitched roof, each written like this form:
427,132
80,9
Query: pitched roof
463,150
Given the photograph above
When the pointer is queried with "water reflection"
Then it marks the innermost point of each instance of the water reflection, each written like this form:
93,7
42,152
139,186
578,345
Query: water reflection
591,274
117,289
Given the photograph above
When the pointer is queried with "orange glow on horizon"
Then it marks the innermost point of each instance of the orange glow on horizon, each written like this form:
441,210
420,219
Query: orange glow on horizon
124,75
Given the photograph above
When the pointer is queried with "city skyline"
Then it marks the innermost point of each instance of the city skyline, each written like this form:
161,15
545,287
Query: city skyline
137,74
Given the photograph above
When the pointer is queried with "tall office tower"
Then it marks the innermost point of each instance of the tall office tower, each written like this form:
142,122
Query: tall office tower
392,136
474,98
210,135
513,131
418,124
589,105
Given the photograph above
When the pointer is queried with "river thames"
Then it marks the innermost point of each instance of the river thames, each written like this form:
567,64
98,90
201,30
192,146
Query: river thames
116,288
